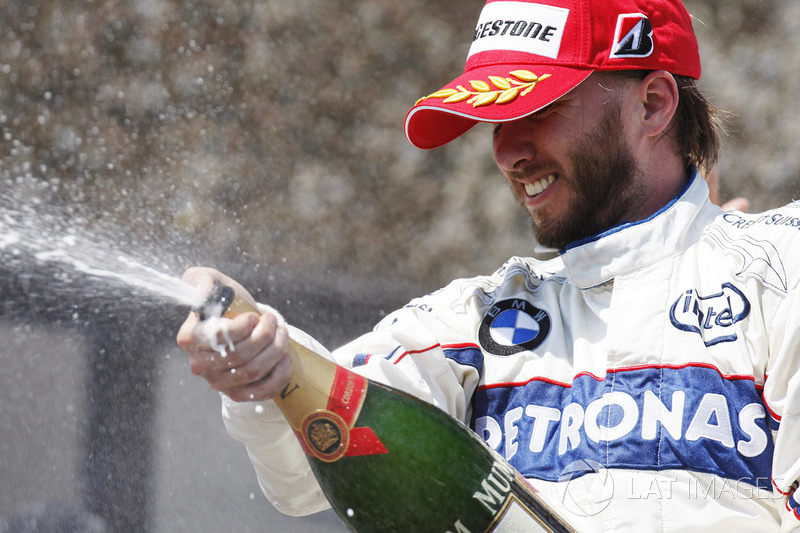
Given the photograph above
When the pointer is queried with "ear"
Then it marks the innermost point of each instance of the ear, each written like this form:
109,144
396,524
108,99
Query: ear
658,97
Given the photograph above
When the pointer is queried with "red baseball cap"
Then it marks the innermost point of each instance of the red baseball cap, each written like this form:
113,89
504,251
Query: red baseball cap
526,54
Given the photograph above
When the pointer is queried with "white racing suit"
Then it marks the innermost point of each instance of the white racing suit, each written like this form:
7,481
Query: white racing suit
645,380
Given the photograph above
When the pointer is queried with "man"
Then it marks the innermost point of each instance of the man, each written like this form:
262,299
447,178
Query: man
660,347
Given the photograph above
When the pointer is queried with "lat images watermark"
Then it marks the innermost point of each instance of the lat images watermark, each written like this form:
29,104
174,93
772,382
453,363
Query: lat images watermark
587,487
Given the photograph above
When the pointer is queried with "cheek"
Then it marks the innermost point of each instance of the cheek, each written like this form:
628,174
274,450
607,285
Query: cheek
513,184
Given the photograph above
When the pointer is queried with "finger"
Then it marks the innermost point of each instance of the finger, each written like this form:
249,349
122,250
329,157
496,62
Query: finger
253,370
241,339
223,334
218,346
267,388
185,337
737,204
204,278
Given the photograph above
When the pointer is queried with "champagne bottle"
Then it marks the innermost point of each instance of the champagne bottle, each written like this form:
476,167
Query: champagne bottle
388,461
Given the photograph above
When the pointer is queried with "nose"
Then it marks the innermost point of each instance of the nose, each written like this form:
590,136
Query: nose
513,144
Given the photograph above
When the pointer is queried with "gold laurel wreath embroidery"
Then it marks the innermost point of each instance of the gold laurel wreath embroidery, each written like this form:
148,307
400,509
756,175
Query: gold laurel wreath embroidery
506,90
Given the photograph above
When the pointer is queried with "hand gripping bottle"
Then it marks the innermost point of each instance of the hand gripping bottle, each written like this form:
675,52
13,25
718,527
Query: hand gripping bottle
390,462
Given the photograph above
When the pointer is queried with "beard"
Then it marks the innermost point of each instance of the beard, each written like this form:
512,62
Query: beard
603,182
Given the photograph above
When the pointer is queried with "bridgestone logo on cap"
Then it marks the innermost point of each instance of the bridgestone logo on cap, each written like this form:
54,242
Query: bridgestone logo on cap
520,26
633,36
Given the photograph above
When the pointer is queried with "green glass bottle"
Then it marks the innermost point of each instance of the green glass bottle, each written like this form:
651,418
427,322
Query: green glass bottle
390,462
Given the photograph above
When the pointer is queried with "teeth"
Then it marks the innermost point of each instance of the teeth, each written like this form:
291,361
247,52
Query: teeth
538,186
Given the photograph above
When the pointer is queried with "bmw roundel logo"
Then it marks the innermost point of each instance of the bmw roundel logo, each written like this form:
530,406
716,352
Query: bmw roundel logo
513,326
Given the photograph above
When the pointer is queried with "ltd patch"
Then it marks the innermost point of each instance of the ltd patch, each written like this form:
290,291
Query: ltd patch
513,326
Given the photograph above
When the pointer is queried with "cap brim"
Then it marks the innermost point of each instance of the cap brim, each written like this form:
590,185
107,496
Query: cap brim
493,93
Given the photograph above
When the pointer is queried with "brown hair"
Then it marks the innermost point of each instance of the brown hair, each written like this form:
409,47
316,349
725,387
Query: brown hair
700,126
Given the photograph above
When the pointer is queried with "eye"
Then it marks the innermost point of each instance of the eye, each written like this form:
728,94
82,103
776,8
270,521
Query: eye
543,112
497,128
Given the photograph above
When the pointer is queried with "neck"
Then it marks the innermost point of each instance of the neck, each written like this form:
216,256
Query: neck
663,179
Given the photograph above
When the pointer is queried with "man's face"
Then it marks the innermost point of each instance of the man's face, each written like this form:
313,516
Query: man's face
570,165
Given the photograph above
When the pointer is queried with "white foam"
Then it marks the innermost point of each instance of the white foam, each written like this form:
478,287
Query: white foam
210,331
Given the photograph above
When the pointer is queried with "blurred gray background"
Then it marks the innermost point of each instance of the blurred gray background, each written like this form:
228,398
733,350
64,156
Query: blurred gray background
263,138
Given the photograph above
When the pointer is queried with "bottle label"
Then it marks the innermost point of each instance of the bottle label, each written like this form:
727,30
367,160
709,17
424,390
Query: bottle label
505,494
326,436
329,434
514,517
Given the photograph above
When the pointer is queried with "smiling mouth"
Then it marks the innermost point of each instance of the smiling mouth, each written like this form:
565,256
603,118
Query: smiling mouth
540,185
